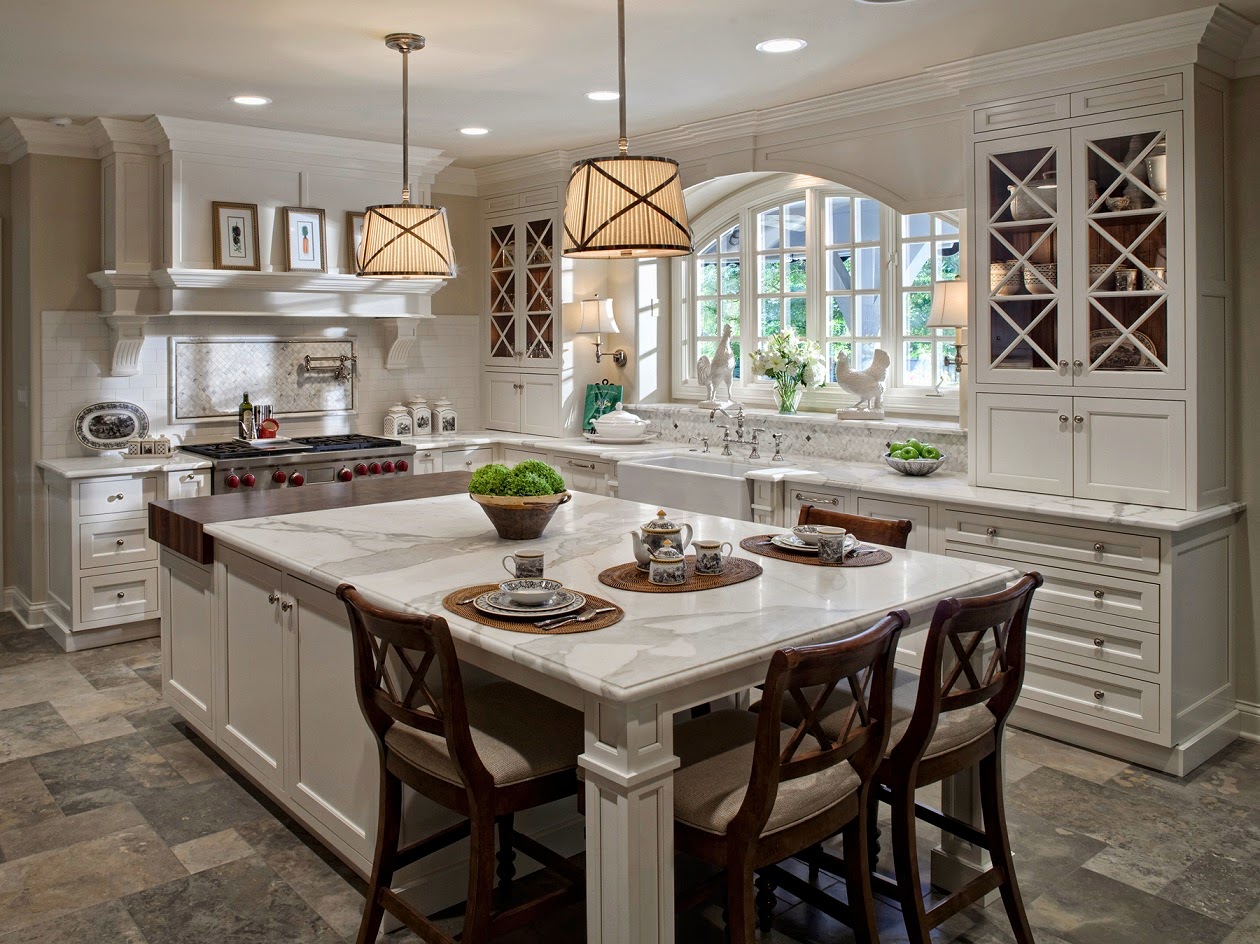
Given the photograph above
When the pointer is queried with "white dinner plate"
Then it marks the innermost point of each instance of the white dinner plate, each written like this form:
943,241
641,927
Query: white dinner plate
614,440
790,542
569,601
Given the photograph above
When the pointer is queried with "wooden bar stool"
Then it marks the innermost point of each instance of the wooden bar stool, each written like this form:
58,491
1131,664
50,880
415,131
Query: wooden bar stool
486,752
950,717
888,532
749,793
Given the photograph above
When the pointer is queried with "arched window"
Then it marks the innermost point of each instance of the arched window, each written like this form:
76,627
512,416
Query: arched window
834,265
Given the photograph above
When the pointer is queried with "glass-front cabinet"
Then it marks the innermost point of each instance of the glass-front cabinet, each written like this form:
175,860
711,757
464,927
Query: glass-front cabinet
523,323
1080,257
1024,327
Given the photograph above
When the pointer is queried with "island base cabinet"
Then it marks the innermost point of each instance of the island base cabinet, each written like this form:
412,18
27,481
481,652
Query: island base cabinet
252,723
188,659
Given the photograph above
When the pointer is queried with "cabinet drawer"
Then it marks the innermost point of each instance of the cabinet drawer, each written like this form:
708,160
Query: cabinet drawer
1092,546
116,495
126,541
1096,593
920,516
1087,693
827,499
465,460
119,597
1156,91
1091,642
191,484
1015,114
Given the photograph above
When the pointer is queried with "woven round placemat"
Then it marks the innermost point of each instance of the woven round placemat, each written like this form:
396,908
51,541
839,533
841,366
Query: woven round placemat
629,577
760,544
468,611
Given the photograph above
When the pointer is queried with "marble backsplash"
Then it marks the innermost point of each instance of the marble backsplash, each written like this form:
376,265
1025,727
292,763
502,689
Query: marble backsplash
808,434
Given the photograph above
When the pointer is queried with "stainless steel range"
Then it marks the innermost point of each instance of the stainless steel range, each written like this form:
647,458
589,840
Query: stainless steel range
305,460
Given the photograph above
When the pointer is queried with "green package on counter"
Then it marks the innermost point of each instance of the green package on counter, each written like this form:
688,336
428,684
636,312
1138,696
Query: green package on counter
601,398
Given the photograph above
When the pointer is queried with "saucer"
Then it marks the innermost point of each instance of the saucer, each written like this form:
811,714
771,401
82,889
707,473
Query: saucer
497,603
790,542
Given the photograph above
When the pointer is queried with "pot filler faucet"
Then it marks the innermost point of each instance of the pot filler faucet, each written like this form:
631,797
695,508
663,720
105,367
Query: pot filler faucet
739,440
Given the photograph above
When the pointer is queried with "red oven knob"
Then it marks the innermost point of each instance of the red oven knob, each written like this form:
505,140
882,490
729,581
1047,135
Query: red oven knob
232,481
296,479
388,467
375,468
248,480
344,474
361,469
278,476
402,465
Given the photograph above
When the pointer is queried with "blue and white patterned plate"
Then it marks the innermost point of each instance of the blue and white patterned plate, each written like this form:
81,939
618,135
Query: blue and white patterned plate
497,603
790,542
105,426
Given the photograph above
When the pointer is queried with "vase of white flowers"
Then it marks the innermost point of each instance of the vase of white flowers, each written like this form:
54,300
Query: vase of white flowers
794,364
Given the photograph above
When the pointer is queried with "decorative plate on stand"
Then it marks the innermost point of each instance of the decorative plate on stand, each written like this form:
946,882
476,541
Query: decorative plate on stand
106,426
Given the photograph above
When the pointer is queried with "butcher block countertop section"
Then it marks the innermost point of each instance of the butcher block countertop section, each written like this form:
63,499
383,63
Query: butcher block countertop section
179,524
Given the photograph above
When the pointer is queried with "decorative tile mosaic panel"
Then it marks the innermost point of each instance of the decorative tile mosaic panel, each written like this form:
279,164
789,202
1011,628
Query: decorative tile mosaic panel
809,434
210,375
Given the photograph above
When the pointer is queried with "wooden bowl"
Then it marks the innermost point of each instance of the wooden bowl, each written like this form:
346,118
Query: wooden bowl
520,519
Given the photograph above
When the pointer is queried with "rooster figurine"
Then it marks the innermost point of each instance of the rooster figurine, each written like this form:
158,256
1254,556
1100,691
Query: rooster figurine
720,368
867,385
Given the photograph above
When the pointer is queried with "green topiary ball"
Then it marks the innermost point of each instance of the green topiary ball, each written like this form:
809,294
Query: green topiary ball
490,480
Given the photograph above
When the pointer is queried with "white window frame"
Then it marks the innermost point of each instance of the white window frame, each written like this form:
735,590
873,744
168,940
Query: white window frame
743,208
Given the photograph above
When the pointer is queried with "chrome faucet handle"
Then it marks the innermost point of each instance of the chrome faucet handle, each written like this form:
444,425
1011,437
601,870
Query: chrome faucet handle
704,441
755,431
778,446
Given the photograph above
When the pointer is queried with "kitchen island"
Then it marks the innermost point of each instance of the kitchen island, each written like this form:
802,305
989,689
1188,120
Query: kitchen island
257,657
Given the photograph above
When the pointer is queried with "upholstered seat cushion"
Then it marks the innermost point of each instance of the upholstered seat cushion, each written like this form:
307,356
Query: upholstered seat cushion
716,751
954,729
518,734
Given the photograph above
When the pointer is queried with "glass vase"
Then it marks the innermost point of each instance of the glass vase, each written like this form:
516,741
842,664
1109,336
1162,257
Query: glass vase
787,397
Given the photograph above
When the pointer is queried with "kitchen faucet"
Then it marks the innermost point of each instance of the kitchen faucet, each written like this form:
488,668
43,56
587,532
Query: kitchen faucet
739,440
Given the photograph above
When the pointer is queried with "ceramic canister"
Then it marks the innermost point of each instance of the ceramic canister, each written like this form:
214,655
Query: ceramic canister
445,419
668,566
397,421
421,416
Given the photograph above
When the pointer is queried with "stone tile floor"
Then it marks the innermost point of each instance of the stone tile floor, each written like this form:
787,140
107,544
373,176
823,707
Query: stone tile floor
118,825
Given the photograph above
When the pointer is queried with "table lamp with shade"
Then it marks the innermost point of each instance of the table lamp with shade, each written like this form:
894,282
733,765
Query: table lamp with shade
597,319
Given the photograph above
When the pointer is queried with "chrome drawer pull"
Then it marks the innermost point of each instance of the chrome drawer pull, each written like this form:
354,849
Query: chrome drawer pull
1098,694
120,542
118,497
120,594
991,532
190,477
1098,594
1099,641
800,496
581,465
1098,547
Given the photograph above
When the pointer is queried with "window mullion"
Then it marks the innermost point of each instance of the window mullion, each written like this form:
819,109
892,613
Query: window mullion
814,295
747,289
890,297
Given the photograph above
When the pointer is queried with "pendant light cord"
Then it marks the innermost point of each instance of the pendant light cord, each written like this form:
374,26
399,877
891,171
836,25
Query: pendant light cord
406,190
622,143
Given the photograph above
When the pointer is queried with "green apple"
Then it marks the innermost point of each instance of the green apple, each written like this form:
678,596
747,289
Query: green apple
930,452
913,442
896,447
908,453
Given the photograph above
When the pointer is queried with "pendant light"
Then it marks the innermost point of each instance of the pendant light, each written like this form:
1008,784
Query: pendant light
406,240
625,207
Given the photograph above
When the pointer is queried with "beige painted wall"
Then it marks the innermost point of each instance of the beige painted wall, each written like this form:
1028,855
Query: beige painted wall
1244,196
462,294
56,243
6,320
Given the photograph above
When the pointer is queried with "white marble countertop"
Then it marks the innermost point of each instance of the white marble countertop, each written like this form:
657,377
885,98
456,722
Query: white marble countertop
83,467
409,555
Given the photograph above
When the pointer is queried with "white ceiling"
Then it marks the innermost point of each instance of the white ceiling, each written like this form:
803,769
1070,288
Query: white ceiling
518,67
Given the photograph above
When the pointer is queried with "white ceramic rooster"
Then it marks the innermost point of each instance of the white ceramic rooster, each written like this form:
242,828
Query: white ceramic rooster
720,368
867,385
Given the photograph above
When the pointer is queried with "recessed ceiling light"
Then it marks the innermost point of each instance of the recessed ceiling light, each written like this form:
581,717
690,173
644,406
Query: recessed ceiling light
474,131
251,99
602,96
781,45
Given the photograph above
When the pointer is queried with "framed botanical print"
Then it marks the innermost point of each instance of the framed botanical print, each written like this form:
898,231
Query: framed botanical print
354,239
304,240
235,235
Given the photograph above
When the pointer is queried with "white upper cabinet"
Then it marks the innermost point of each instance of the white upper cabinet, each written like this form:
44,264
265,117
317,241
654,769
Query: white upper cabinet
524,328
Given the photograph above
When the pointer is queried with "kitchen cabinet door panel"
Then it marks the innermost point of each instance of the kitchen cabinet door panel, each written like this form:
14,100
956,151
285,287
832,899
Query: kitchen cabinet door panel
920,516
1025,443
503,401
1131,451
188,603
540,405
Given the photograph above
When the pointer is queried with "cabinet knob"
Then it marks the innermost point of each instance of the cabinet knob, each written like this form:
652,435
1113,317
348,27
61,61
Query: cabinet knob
1099,641
1098,694
1063,364
1063,417
286,605
121,594
114,498
1098,594
1078,419
1078,364
120,542
1098,546
991,532
273,598
190,477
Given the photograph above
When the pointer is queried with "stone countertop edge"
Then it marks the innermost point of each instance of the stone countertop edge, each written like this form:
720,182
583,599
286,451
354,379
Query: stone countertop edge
83,467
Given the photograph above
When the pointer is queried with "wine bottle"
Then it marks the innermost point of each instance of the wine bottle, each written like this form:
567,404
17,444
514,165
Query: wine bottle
245,418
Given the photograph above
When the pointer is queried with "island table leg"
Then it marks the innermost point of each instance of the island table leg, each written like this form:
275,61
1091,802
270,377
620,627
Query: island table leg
955,861
629,768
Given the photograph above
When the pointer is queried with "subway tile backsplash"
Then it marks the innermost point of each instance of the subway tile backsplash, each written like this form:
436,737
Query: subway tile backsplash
75,368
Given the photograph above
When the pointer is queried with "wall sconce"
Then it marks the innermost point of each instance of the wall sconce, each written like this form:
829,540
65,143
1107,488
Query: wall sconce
949,310
597,319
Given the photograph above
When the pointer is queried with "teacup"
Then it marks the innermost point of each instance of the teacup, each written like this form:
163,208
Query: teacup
831,545
524,564
530,591
710,558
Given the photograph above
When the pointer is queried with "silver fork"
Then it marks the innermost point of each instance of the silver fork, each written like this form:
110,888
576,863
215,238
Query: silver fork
584,617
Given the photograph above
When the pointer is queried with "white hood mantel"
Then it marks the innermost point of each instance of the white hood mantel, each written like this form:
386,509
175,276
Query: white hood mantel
159,178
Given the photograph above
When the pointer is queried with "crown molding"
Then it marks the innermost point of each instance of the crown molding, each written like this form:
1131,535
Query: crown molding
546,163
120,136
457,181
22,136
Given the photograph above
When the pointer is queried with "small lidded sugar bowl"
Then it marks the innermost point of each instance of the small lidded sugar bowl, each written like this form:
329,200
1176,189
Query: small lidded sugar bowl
667,566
